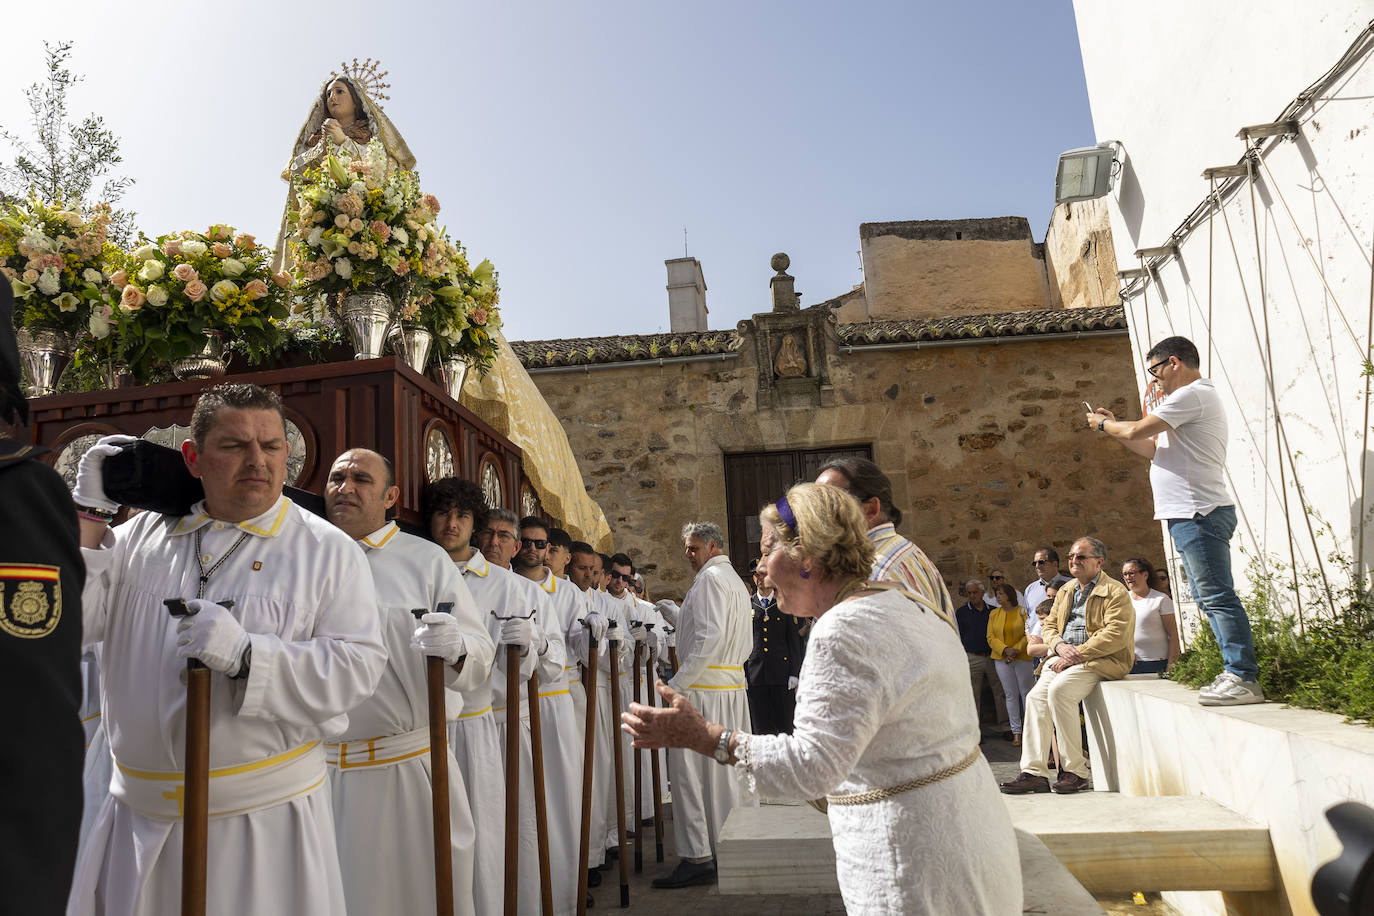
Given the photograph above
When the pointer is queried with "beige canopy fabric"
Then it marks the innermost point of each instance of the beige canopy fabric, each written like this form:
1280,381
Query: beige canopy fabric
508,399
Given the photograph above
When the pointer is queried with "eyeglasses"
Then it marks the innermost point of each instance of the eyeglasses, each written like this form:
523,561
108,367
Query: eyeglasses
1084,556
536,543
1041,562
996,578
1153,370
500,535
1128,574
624,577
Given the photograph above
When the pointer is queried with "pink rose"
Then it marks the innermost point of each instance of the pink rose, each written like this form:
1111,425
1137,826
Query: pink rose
380,229
132,299
282,279
222,250
244,240
402,267
50,260
431,204
479,316
195,290
219,231
185,273
119,278
255,289
350,203
171,247
9,272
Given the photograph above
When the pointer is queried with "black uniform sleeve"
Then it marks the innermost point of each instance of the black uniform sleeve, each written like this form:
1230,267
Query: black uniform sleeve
41,579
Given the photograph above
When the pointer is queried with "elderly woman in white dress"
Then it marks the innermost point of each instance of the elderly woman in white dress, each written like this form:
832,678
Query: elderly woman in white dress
885,726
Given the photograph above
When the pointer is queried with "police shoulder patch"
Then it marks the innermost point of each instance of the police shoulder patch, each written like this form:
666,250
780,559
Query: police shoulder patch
30,599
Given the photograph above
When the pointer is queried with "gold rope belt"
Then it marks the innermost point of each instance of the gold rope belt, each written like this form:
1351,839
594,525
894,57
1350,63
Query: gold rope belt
876,795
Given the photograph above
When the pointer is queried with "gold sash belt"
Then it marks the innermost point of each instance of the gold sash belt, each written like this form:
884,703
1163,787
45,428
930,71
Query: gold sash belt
877,795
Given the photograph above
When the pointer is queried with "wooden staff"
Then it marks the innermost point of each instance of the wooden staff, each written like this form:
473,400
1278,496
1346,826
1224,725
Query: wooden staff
438,774
653,760
639,779
588,758
619,753
195,844
512,902
541,814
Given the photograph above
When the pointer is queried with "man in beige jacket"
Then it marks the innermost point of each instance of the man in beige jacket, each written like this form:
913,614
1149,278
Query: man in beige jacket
1091,638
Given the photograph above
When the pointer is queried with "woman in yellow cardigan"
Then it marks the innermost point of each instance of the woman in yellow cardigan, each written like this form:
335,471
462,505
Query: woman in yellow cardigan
1007,637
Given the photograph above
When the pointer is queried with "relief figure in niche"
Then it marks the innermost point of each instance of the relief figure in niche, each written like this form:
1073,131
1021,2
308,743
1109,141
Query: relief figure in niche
790,361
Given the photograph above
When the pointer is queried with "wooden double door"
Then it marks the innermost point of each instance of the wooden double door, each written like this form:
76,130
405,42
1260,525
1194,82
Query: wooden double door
755,479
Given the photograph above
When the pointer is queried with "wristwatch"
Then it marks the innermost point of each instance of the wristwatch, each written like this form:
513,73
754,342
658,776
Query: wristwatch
1102,425
245,662
722,751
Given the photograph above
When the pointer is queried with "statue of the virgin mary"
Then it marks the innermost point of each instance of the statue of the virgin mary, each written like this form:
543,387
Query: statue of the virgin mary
344,120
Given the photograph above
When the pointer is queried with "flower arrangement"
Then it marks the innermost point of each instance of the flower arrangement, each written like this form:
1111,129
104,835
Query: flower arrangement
57,261
178,289
352,229
464,316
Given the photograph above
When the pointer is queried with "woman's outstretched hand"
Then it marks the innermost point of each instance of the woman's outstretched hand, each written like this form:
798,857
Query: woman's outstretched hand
676,725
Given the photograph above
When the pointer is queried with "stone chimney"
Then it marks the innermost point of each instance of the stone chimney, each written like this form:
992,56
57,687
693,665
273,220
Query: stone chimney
686,295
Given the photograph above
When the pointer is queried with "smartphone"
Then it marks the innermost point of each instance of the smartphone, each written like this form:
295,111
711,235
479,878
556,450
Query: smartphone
1088,406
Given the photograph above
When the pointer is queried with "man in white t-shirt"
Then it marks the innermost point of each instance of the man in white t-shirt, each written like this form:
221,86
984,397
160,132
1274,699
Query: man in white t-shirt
1185,440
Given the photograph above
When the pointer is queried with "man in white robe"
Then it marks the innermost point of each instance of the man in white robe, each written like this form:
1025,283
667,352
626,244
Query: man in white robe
380,776
299,649
560,613
715,636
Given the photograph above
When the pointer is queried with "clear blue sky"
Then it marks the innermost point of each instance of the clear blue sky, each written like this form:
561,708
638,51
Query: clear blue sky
572,142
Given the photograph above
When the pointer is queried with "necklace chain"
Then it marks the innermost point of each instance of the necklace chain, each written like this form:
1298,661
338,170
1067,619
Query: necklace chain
205,574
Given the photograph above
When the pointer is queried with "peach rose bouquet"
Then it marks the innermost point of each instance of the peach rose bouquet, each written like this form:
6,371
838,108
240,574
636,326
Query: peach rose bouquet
176,290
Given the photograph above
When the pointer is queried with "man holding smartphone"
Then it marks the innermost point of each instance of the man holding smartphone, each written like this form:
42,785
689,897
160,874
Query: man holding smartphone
1185,440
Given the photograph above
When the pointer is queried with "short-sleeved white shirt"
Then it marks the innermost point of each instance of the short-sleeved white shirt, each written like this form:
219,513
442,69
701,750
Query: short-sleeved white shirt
1188,470
1151,640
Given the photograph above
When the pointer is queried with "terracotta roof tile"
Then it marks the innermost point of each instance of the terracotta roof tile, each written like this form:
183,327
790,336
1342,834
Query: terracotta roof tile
581,351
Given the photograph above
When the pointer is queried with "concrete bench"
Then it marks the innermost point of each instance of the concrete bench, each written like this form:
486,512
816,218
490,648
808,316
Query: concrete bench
1117,843
787,849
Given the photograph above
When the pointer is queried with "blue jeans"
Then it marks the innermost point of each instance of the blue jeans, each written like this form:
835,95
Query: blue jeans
1204,543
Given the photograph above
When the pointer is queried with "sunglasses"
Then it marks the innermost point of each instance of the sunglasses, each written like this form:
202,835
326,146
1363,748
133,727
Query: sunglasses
996,578
536,543
1041,562
624,577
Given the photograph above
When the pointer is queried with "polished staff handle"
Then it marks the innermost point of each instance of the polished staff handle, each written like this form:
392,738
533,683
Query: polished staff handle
438,771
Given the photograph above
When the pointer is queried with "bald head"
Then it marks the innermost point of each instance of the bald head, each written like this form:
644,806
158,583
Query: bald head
359,492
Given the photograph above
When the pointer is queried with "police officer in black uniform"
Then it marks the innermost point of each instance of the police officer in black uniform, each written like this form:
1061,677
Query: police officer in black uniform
41,739
775,663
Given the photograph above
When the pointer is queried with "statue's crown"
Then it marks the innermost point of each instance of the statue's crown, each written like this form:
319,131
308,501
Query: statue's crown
367,76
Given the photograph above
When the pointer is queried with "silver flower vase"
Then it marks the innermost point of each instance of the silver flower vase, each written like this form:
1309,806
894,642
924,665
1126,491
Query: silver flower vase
451,373
208,363
45,354
411,343
116,374
368,317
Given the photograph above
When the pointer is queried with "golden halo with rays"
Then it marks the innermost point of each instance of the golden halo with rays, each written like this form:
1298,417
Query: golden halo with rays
367,75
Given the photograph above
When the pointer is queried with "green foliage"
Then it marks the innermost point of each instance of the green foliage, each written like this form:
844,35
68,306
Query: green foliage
1327,663
64,159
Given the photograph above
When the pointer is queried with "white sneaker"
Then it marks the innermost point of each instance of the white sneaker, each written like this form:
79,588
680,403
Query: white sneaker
1229,690
1216,682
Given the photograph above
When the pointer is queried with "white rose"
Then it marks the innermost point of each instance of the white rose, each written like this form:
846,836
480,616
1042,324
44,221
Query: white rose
157,296
90,275
67,302
344,268
151,270
48,282
223,290
144,252
232,267
99,325
193,248
313,239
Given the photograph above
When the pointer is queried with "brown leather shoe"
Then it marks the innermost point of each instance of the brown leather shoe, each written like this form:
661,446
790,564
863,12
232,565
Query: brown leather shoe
1025,784
1070,783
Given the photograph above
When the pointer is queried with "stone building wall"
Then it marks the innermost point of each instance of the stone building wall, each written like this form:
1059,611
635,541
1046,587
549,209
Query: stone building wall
984,443
1079,256
938,268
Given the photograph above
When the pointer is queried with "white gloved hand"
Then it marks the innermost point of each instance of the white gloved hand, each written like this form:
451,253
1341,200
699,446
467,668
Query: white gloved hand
212,634
438,636
640,634
668,608
596,625
90,473
672,638
520,631
792,683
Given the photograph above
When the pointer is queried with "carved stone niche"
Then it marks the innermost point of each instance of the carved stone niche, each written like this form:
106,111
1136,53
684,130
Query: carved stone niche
792,348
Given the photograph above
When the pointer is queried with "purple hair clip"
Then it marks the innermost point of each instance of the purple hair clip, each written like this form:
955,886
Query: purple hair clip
785,513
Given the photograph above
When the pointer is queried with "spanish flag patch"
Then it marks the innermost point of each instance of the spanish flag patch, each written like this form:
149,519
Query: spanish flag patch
30,599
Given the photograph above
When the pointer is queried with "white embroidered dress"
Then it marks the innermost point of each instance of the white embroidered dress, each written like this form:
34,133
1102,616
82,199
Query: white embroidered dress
884,699
380,769
304,593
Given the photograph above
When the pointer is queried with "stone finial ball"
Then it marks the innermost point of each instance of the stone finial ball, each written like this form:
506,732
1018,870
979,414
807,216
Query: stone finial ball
781,261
